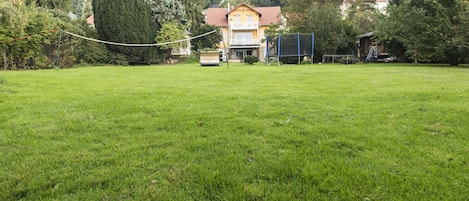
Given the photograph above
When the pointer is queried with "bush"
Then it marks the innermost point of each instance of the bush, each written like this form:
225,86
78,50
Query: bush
42,62
306,62
117,59
250,59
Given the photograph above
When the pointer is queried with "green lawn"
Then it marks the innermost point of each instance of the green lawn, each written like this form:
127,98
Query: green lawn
309,132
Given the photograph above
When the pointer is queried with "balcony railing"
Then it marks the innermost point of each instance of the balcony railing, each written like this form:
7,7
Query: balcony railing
244,25
243,42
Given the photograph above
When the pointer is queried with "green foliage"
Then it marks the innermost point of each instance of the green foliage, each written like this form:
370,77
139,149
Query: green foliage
330,31
30,39
275,29
51,4
363,15
170,32
209,41
429,30
304,62
250,59
117,59
164,11
193,59
82,8
25,35
127,22
194,13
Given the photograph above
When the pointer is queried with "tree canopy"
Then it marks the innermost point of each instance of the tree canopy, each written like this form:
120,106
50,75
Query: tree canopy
418,30
363,14
324,19
430,31
127,22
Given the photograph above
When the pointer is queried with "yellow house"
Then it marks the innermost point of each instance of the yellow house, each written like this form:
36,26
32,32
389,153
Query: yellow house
243,29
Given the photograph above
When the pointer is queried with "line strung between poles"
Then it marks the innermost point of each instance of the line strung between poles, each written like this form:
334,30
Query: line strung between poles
138,45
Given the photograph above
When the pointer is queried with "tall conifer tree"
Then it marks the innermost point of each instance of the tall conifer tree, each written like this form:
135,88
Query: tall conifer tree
127,22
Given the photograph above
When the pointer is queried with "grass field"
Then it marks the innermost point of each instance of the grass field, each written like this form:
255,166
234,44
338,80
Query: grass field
314,132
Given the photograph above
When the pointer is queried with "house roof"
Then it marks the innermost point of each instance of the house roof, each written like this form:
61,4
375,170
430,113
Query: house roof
90,20
244,4
217,17
267,15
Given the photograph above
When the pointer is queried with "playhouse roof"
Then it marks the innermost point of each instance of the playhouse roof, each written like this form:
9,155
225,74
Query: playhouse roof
369,34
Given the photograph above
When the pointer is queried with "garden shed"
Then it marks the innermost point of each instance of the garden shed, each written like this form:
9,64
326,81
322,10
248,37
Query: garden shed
370,48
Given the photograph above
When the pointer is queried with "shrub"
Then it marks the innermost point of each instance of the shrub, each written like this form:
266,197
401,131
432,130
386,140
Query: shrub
250,59
117,59
42,62
306,62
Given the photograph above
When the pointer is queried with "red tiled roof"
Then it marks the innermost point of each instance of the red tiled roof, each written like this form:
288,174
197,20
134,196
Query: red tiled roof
243,4
90,20
218,16
269,15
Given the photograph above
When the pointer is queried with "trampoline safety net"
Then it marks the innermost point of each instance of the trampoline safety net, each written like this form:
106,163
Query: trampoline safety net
290,45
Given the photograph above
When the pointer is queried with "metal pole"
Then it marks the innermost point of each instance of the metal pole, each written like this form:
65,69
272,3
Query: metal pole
267,48
58,48
299,48
312,48
226,54
278,50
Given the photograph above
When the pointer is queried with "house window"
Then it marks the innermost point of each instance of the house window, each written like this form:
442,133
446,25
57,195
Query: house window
239,54
250,18
241,38
242,53
237,18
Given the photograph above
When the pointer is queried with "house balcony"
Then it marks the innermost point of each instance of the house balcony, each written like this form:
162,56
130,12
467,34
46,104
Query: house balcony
244,26
244,43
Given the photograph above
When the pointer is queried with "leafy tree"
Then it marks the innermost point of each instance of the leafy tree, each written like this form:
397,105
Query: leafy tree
428,30
51,4
194,13
275,29
81,8
25,34
324,18
363,14
164,11
196,24
209,41
12,25
170,32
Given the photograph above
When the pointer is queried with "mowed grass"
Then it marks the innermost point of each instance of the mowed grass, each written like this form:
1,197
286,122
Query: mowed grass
309,132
